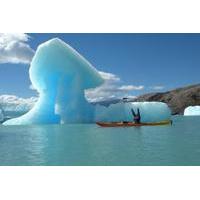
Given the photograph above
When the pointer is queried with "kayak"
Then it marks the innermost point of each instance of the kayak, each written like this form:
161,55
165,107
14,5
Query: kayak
127,124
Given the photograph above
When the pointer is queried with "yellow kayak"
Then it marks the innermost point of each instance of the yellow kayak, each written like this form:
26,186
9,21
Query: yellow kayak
127,124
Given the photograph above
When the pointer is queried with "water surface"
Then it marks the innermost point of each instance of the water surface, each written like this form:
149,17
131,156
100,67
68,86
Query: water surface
88,144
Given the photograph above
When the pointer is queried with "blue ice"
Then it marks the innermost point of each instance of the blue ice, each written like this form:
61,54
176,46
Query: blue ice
1,115
61,76
150,112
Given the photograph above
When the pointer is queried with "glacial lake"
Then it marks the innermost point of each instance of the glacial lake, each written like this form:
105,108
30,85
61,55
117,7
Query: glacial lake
88,144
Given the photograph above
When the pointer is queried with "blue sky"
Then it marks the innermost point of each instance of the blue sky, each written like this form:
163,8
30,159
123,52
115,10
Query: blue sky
158,62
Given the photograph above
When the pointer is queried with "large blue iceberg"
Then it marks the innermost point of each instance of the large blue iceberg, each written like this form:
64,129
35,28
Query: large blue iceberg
192,110
61,76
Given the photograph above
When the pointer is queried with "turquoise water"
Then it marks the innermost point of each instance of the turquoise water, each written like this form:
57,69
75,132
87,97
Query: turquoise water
88,144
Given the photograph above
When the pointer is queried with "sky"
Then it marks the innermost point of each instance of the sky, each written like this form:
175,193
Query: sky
132,64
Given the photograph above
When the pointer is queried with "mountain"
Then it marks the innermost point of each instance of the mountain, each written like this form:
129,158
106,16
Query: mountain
177,99
107,102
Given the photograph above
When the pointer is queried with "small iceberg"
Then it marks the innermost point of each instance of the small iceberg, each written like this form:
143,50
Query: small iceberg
192,111
150,112
1,116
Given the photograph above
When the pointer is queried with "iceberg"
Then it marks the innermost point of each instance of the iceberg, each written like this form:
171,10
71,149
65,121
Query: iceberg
60,75
150,112
192,110
1,115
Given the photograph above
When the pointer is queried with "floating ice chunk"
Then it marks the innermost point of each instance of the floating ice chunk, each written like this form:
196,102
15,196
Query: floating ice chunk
60,75
150,112
1,115
192,110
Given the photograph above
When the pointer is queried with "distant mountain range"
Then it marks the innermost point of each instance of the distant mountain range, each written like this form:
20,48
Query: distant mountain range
177,99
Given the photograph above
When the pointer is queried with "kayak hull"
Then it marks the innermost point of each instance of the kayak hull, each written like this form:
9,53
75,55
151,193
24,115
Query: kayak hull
129,124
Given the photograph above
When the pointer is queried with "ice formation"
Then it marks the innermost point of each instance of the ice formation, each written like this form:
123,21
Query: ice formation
60,75
150,112
1,115
192,110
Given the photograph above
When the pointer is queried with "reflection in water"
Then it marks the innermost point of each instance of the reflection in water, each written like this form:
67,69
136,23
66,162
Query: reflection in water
36,143
24,146
88,144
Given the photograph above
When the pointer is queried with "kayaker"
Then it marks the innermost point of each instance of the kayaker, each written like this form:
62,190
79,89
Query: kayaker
136,117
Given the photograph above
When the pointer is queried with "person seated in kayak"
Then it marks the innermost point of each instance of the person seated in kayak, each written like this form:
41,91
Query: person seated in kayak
136,117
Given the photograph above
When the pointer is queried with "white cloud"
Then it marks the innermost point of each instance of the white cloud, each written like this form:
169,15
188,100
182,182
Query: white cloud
131,97
111,89
16,104
157,87
131,87
14,48
109,77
